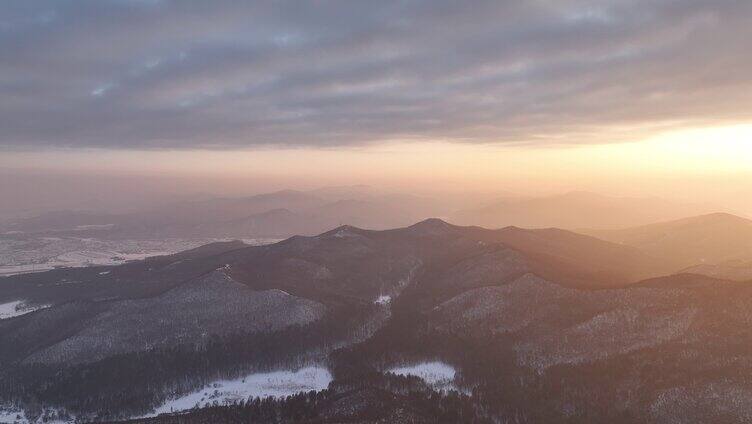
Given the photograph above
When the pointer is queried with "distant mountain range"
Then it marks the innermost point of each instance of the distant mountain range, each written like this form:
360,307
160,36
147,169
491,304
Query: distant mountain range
719,239
520,313
288,212
271,215
575,210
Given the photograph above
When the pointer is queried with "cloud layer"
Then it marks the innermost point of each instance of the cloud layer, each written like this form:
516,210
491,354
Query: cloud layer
229,74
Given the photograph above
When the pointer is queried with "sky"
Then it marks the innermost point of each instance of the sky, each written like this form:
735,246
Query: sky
537,96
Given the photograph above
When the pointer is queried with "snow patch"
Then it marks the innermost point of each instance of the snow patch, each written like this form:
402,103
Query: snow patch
94,227
345,231
383,300
18,308
438,375
275,384
14,415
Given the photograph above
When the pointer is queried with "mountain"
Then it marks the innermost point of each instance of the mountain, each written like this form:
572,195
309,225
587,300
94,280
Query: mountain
574,210
289,212
377,213
665,350
682,280
583,258
736,270
519,314
202,218
701,240
270,215
340,267
61,221
225,209
274,223
356,192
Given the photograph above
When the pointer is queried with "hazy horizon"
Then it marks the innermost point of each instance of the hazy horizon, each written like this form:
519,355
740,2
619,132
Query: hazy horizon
130,103
715,173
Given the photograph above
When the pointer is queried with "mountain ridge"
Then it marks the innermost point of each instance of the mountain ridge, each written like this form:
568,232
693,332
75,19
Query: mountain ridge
517,311
705,239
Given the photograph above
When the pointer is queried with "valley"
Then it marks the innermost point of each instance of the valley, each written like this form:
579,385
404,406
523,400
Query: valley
23,253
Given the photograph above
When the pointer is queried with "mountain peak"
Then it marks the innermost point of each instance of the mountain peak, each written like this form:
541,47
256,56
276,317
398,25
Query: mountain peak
716,218
722,217
343,231
433,226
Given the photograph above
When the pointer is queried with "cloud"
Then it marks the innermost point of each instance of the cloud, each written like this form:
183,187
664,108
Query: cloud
228,74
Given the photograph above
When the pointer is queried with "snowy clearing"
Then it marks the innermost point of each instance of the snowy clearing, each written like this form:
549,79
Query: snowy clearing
438,375
263,385
17,308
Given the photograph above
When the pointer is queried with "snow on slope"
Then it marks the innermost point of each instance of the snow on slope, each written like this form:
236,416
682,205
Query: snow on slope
17,308
274,384
13,415
9,415
438,375
383,300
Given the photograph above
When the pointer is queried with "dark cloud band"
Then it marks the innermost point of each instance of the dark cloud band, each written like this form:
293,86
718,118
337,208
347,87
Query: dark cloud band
227,74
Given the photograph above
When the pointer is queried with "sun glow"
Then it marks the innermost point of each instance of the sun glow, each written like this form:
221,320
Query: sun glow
717,160
717,149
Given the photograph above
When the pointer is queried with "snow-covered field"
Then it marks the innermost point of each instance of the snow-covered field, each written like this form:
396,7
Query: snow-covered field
12,415
438,375
16,308
273,384
20,255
